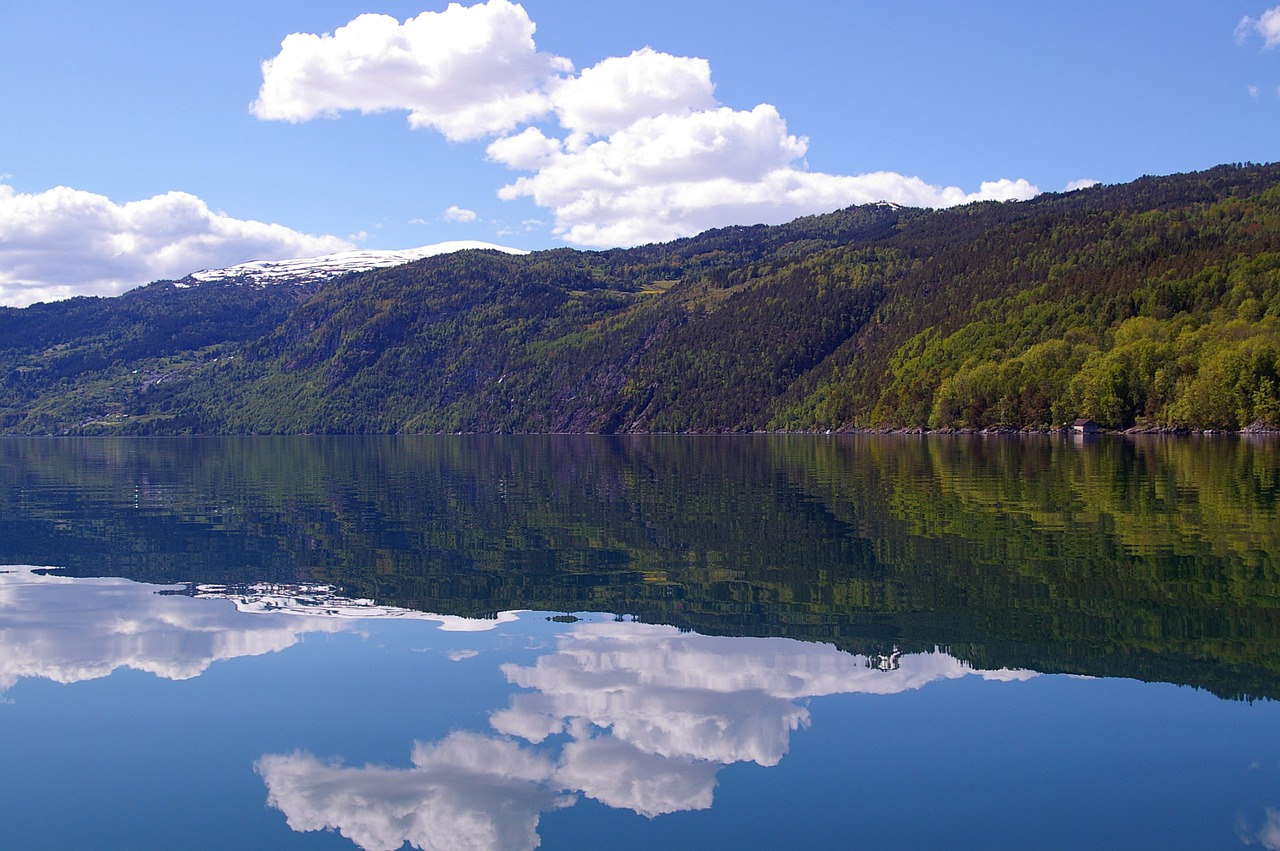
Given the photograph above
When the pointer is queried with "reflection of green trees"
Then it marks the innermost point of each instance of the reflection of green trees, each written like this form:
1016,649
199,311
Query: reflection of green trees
1151,558
1129,553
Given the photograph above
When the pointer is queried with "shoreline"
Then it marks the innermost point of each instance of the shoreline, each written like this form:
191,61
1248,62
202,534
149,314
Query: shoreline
1254,430
1137,430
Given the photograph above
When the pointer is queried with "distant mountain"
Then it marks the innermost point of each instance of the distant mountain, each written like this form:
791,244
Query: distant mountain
315,270
1152,304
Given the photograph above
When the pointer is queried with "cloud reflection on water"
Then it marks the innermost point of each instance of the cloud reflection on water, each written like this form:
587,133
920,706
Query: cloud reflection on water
635,716
70,629
467,791
1268,836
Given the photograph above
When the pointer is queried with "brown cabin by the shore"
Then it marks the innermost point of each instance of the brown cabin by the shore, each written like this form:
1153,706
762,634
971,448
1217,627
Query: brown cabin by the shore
1085,426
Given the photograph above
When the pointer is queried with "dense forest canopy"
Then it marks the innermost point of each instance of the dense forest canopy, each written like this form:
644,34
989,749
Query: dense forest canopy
1149,304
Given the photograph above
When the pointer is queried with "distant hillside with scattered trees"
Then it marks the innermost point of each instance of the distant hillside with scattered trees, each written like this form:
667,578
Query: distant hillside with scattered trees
1149,304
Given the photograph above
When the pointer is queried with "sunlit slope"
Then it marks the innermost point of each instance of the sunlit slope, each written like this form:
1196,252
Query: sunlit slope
1151,303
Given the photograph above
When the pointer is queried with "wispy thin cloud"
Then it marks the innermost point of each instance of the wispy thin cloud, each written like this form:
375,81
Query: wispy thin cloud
1266,25
459,215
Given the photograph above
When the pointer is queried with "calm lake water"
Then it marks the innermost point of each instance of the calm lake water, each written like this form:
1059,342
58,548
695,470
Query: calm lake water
586,642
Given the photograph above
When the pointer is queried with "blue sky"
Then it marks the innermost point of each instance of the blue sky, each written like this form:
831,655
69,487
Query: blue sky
582,123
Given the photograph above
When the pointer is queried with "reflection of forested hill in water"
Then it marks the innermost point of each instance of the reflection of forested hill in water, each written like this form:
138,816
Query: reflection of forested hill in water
1152,559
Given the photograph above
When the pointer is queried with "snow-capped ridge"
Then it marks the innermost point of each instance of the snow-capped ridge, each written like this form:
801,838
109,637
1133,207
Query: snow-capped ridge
327,266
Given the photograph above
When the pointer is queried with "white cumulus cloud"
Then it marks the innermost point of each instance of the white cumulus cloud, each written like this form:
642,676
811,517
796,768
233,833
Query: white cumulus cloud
618,91
467,71
1266,25
1082,183
459,214
65,242
529,149
673,175
644,151
650,155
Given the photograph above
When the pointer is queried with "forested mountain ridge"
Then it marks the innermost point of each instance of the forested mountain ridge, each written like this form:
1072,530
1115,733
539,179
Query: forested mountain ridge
1151,303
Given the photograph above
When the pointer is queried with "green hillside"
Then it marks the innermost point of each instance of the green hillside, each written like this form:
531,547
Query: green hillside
1154,303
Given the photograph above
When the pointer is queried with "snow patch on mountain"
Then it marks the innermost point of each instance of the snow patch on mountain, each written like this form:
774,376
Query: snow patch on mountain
328,266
